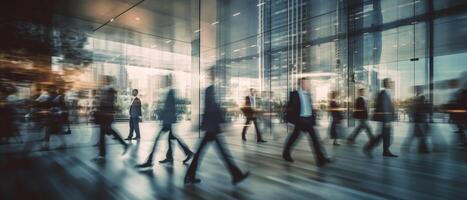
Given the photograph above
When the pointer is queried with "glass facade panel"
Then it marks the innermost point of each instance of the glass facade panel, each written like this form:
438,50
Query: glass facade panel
264,45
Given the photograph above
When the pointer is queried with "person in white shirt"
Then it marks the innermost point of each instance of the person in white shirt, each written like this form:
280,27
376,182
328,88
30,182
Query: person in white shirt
300,113
250,112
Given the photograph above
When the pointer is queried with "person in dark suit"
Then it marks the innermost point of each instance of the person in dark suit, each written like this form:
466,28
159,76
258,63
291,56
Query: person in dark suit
168,118
135,116
7,116
57,116
419,114
104,116
361,114
250,112
211,123
300,113
335,130
385,114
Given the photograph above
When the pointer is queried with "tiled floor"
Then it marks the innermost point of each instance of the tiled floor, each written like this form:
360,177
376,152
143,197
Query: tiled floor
70,173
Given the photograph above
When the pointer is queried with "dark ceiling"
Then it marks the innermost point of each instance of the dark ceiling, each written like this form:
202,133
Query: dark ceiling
149,23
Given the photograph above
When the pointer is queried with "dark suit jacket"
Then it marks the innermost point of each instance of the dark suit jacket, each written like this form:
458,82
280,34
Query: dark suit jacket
248,110
106,108
419,109
384,109
337,115
135,108
7,120
213,115
294,107
169,112
361,109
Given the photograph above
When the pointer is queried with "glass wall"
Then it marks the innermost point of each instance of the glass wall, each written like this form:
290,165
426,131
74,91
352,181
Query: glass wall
340,45
263,45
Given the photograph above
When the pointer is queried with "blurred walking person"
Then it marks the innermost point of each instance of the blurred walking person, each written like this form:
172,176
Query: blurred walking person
459,115
361,114
211,123
419,111
300,113
56,116
168,118
8,124
105,116
385,115
250,111
135,116
93,106
336,129
268,113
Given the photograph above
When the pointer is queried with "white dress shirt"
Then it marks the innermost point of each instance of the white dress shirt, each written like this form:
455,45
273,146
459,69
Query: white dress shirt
305,103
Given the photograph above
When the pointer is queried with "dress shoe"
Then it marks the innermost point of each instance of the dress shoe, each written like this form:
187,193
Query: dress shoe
261,141
146,164
125,148
349,141
127,138
166,161
323,162
98,159
287,158
389,154
237,180
189,181
367,153
244,139
424,151
188,157
136,138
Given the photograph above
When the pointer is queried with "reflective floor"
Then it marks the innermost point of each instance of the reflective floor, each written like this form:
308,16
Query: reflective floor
70,173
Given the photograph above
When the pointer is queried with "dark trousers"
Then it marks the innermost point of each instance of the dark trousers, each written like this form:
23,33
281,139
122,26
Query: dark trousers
334,130
385,135
362,125
245,128
305,124
420,132
224,152
106,129
167,128
134,126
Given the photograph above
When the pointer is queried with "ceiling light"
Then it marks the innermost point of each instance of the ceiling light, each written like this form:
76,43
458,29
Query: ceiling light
137,19
196,31
111,20
236,14
168,41
214,23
